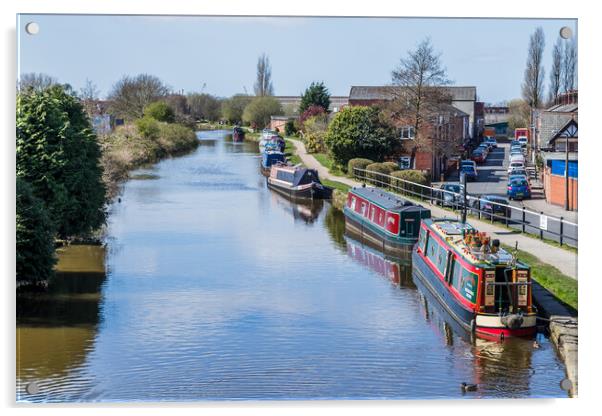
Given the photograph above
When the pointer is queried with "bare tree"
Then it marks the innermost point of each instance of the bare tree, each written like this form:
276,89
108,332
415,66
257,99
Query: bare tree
534,73
263,84
569,66
89,96
418,95
556,75
37,81
130,95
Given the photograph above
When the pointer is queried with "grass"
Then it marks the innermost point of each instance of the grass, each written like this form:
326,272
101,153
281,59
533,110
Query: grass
325,160
559,284
336,185
291,153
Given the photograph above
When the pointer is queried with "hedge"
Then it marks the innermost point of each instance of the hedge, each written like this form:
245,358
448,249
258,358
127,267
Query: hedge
415,176
376,174
359,163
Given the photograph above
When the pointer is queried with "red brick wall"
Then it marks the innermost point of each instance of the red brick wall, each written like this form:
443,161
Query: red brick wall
555,190
423,161
277,124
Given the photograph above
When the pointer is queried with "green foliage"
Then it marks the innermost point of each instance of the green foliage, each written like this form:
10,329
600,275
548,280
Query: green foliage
130,95
148,127
314,143
259,110
58,154
35,236
234,107
290,128
359,163
174,139
359,132
205,107
160,111
392,166
377,174
410,175
316,94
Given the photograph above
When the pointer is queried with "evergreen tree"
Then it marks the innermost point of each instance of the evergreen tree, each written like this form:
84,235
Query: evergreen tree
316,94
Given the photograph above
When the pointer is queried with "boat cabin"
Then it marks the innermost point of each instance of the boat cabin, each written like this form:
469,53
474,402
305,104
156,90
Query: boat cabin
270,158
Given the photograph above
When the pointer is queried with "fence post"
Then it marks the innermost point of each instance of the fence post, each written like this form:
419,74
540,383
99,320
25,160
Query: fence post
524,219
561,229
540,229
506,211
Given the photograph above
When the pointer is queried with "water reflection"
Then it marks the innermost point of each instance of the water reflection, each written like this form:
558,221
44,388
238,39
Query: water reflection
303,211
56,329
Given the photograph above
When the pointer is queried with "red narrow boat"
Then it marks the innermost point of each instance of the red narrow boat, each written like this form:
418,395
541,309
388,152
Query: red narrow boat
483,287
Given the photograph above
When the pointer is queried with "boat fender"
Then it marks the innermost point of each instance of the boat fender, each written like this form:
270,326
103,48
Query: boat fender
512,321
473,326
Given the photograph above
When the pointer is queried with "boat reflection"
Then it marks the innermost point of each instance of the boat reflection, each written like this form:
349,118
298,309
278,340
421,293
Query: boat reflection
56,329
397,270
306,211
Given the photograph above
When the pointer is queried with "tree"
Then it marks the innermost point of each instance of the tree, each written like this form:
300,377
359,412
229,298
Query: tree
315,95
359,132
419,77
58,154
204,107
312,111
569,66
263,84
233,108
534,73
130,95
520,114
35,236
160,111
259,110
89,96
36,81
556,75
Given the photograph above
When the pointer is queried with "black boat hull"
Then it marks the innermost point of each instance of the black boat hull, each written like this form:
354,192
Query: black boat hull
316,191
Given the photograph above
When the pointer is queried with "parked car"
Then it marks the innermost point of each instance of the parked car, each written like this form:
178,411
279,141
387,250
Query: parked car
519,189
515,165
518,171
469,171
484,147
515,143
491,141
523,141
449,195
491,206
514,176
517,157
478,156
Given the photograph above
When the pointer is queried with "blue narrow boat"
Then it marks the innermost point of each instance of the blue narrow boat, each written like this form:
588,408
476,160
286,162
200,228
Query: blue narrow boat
238,134
383,220
270,158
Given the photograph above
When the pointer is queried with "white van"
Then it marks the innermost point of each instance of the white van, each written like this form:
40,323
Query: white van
517,157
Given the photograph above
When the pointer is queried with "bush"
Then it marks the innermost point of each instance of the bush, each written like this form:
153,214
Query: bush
35,236
311,112
59,155
148,127
314,143
160,111
290,128
415,176
376,174
174,139
259,110
359,132
358,163
392,166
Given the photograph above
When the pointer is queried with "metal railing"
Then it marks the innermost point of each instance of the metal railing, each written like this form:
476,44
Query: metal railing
519,219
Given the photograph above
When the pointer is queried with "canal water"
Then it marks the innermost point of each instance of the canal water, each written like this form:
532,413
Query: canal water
211,287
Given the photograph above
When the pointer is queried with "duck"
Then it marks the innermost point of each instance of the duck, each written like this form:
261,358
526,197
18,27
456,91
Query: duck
468,387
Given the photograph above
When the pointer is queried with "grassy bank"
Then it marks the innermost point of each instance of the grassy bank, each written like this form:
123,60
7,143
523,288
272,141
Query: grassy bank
561,285
325,160
291,153
126,149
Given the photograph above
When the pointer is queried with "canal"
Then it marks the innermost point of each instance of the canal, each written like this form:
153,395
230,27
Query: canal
211,287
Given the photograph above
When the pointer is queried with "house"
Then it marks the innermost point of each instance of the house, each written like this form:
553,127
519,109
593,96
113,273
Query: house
557,137
278,123
497,117
462,98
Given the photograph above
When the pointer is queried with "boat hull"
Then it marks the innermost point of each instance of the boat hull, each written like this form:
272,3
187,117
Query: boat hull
305,193
368,234
487,326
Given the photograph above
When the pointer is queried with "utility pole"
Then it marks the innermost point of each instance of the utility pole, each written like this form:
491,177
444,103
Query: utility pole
566,173
463,197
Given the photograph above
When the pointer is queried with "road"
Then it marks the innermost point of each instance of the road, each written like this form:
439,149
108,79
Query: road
492,180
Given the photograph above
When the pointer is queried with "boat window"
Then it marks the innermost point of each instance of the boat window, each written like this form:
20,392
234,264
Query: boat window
442,259
422,240
456,273
467,285
352,206
285,176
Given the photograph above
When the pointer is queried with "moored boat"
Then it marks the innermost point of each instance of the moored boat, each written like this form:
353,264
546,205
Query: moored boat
383,220
271,142
482,286
238,134
270,158
297,182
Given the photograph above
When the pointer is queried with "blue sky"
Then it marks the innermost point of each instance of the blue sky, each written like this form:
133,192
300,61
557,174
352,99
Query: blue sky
220,53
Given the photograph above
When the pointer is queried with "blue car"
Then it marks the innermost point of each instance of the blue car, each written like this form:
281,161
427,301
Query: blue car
518,188
469,171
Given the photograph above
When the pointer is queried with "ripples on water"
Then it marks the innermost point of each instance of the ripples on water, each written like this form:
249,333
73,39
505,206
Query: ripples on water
218,293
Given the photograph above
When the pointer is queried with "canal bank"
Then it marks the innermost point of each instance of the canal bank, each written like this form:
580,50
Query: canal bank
562,320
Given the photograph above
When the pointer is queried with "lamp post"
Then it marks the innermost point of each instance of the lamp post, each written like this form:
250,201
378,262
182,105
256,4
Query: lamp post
566,173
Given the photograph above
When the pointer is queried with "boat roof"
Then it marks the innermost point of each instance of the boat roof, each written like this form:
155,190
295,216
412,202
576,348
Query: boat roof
452,231
387,200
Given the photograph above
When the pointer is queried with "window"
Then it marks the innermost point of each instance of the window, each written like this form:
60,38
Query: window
407,133
466,285
422,240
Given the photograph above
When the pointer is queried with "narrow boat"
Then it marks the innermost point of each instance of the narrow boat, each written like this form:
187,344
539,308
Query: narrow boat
297,182
238,134
482,286
272,142
383,220
270,158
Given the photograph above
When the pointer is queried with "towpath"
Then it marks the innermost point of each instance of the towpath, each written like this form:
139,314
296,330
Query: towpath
563,260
